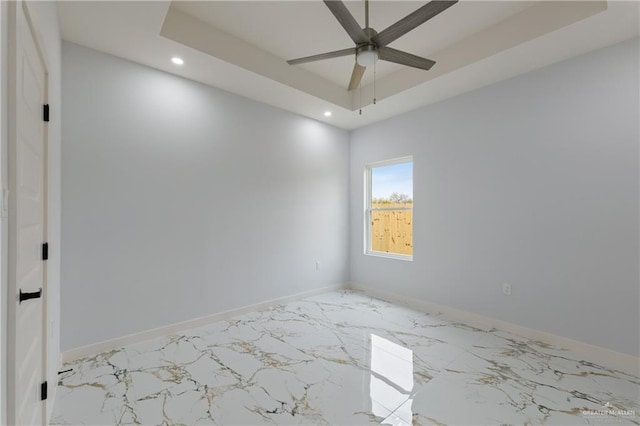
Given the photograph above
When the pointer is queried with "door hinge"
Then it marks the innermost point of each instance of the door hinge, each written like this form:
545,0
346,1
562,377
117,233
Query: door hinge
43,391
45,112
45,251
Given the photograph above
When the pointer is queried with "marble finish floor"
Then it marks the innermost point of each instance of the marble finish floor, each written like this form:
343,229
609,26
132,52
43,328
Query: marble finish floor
343,358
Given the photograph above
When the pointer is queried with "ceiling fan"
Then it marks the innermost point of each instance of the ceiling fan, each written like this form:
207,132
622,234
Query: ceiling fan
371,45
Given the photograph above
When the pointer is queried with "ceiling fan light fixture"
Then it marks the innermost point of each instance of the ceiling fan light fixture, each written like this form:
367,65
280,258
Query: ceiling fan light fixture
367,56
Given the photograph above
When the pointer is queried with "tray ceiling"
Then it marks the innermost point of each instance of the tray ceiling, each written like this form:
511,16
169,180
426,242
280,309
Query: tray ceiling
242,46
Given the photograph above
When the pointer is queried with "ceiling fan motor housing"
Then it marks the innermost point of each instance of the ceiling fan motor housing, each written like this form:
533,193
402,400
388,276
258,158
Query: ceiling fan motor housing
369,32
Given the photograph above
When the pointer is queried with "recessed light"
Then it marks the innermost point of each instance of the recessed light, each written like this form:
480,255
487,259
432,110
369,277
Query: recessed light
327,113
177,61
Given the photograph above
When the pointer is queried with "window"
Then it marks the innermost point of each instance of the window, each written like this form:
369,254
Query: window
389,204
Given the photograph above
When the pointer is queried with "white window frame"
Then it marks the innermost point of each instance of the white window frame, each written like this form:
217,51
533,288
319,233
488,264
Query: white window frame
368,210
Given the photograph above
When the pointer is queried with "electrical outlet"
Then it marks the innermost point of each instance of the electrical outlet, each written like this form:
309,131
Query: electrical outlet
318,265
506,289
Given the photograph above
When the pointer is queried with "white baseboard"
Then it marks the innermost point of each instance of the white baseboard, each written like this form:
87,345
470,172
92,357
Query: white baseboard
108,345
606,357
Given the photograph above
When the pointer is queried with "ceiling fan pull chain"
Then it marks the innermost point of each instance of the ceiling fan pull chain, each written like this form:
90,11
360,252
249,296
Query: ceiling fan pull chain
360,90
374,83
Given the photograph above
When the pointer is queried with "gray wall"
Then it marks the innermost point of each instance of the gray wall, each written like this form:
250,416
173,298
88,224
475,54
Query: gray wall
181,200
532,181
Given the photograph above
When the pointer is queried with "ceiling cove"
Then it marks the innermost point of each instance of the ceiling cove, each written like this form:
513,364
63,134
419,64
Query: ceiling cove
198,25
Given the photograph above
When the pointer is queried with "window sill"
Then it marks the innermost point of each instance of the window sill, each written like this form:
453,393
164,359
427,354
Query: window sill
405,257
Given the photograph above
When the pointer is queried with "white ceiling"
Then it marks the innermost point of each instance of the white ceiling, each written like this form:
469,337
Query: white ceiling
241,46
292,29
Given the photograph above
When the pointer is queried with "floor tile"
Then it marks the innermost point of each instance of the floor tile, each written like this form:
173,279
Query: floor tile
343,358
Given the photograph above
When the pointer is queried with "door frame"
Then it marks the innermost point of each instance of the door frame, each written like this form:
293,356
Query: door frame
16,8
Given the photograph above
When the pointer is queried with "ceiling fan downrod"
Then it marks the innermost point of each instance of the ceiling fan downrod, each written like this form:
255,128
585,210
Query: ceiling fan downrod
366,14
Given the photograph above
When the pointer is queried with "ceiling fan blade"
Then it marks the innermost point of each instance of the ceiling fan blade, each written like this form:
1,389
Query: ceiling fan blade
404,58
347,21
328,55
412,21
356,76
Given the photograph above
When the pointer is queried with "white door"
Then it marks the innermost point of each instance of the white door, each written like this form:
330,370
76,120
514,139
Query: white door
27,224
